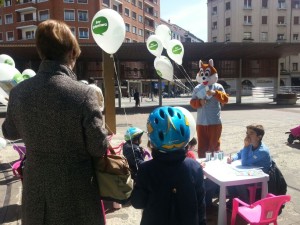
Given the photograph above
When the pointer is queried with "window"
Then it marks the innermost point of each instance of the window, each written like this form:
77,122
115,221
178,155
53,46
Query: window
264,4
127,40
281,4
69,15
41,1
133,2
215,25
227,5
264,20
7,3
214,39
296,4
227,23
264,36
141,32
82,1
28,17
68,1
134,29
106,2
1,37
83,16
280,19
247,36
43,15
140,5
247,4
9,35
248,20
296,20
127,27
83,33
215,10
295,37
295,66
73,30
8,19
280,37
126,12
133,15
140,18
0,20
227,37
29,34
282,66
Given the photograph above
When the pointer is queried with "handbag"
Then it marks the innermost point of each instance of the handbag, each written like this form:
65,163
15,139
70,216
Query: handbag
113,177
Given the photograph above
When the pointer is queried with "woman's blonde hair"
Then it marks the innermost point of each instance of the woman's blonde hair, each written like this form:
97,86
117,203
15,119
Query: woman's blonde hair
55,41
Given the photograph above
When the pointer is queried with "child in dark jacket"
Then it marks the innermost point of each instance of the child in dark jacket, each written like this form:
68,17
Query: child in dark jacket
132,150
170,187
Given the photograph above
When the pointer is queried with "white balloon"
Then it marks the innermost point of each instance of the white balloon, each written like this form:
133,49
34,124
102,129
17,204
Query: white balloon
175,51
191,119
7,60
154,45
108,30
2,143
164,68
164,33
3,96
9,77
28,73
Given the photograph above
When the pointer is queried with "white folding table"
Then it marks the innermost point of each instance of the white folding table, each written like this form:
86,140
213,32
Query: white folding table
232,174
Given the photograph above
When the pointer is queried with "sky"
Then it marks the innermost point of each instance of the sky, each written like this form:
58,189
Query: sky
190,15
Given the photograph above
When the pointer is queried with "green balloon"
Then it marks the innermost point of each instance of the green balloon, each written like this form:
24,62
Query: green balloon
177,49
153,45
100,25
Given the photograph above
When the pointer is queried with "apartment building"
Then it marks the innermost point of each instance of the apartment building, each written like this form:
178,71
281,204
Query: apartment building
258,21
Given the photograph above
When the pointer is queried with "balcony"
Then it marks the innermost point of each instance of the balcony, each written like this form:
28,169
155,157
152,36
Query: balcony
26,9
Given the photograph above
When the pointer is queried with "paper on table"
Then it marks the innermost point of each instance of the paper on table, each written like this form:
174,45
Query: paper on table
249,172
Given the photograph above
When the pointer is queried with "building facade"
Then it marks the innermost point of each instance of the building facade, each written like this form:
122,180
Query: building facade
258,21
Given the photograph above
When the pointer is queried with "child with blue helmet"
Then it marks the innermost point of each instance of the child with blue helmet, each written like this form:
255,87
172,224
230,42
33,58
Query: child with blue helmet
132,150
170,187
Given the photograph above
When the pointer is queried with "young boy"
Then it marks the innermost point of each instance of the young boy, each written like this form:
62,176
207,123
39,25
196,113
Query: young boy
169,188
132,150
190,148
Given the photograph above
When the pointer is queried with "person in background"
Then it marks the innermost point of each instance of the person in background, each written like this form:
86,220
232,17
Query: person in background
210,187
136,97
170,187
254,153
60,123
132,150
190,148
98,90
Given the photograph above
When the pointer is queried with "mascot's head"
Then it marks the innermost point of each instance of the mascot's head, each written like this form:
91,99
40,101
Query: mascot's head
208,74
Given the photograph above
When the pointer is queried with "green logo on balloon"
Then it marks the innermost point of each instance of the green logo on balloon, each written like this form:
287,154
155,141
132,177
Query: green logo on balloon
9,62
177,49
100,25
18,78
159,73
153,45
25,77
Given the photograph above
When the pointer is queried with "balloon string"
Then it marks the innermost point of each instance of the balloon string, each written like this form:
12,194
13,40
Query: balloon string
186,75
181,85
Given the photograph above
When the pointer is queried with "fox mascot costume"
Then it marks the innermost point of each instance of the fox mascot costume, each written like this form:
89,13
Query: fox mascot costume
207,98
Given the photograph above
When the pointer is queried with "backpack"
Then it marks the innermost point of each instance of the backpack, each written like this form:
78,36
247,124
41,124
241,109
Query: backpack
277,184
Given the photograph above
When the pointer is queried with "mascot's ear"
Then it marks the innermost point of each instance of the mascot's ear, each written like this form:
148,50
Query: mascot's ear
211,62
200,63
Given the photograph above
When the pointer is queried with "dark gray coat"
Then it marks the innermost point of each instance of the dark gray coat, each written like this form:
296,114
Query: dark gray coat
59,120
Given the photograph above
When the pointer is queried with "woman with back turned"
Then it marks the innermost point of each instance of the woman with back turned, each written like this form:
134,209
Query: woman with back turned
60,122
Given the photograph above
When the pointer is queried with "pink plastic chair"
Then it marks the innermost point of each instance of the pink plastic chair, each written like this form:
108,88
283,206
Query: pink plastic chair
21,150
264,211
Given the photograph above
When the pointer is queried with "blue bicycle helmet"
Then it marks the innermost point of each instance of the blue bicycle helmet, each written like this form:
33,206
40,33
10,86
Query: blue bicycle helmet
132,132
168,129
